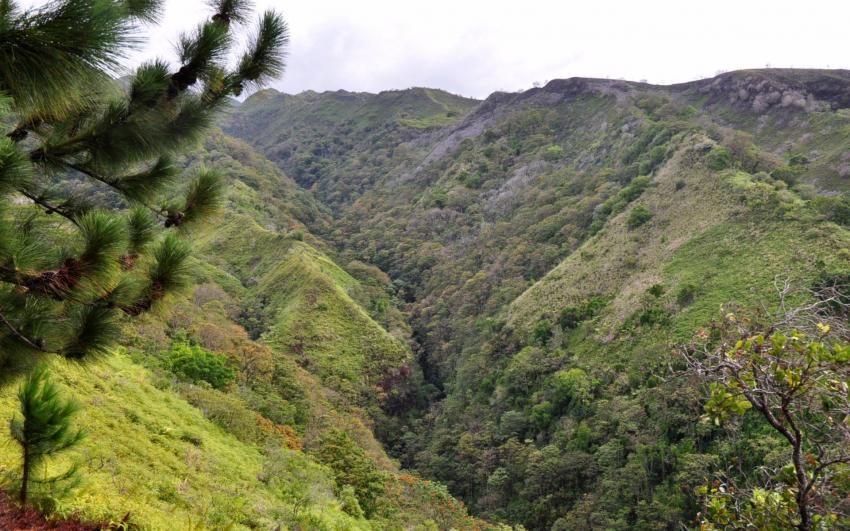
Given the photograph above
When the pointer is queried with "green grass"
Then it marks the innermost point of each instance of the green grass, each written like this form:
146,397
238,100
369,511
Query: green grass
316,318
309,306
140,459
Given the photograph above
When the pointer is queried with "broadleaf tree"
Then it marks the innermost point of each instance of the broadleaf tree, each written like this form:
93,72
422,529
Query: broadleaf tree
794,374
70,266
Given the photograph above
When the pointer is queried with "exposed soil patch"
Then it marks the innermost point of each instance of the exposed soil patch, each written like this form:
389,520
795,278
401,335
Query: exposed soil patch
13,518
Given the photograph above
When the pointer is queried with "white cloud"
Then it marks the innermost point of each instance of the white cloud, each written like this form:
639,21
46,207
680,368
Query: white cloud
474,47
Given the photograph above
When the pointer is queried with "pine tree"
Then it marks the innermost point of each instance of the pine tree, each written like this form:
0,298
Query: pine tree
70,266
45,429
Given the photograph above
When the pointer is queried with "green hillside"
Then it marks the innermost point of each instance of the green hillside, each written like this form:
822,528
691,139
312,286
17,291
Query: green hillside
166,452
306,308
554,247
313,137
155,461
415,311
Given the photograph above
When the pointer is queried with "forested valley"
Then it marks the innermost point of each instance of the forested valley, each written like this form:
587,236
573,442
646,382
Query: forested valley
593,304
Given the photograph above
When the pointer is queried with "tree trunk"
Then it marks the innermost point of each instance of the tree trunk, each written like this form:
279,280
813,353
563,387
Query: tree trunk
802,483
25,476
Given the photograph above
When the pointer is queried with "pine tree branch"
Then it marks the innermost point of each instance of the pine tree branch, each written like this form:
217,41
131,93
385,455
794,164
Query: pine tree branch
34,344
113,183
48,207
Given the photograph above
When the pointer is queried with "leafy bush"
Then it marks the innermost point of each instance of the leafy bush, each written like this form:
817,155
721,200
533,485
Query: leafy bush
553,152
541,333
638,216
571,316
471,180
542,414
834,208
719,158
572,386
685,294
439,197
653,317
512,423
226,410
351,467
195,364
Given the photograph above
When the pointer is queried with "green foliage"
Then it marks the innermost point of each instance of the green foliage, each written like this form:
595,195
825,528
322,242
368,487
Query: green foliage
638,216
478,277
572,386
685,294
542,414
619,202
571,316
439,197
719,158
541,333
791,381
76,131
835,208
351,468
195,364
553,152
656,290
44,429
471,180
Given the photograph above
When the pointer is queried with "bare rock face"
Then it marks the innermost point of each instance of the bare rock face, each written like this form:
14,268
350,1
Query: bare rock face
763,90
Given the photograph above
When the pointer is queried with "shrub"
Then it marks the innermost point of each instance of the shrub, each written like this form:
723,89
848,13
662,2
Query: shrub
193,363
571,386
350,505
653,317
719,158
471,180
571,316
553,152
439,197
351,467
541,333
226,410
512,423
656,290
638,216
835,208
685,294
542,414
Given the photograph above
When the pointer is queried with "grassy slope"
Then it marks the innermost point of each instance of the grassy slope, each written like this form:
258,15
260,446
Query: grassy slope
309,307
141,460
161,463
702,234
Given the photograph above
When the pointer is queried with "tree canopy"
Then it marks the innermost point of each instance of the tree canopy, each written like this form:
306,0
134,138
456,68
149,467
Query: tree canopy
72,263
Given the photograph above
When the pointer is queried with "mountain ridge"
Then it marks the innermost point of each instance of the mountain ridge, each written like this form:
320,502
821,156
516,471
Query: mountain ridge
614,201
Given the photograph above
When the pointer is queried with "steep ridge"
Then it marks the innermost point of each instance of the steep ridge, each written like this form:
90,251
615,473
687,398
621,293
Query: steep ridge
288,442
312,136
553,246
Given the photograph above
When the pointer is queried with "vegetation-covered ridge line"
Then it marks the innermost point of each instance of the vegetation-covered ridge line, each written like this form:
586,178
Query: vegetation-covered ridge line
553,247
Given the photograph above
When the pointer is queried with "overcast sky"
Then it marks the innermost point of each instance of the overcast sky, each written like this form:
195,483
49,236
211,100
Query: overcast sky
475,47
